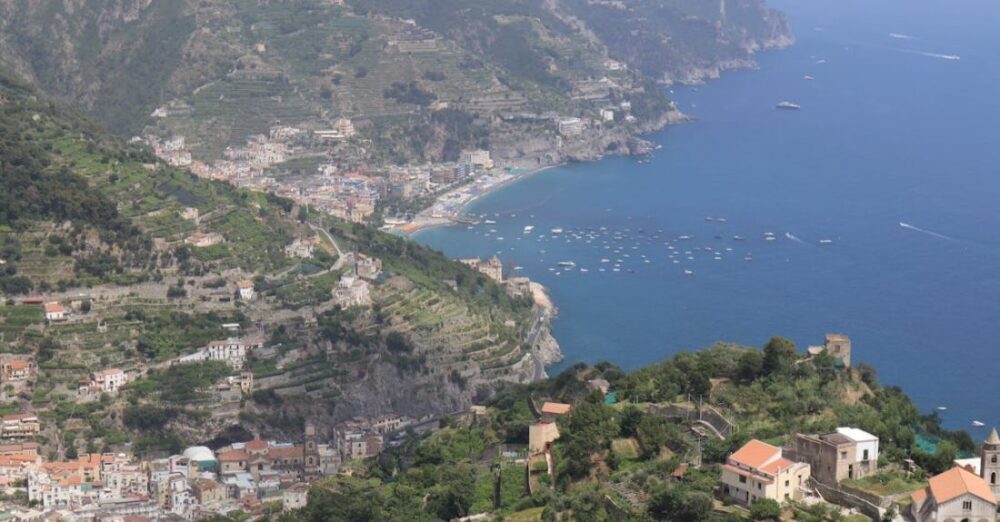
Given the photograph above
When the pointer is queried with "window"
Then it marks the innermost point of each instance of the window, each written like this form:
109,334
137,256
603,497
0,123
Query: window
760,486
967,505
865,455
743,480
843,455
786,483
993,459
786,496
993,477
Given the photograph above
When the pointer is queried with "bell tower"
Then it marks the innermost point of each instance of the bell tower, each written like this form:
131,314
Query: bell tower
310,452
989,466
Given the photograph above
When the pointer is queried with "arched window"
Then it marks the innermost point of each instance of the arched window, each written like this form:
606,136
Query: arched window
993,459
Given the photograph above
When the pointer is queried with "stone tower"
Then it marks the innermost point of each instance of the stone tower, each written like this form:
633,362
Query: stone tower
839,346
989,466
310,452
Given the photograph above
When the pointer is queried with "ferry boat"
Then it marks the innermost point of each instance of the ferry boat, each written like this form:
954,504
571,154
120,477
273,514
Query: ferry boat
788,106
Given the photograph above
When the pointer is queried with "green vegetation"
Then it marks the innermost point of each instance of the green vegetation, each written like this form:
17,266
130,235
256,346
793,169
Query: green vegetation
617,461
182,383
888,483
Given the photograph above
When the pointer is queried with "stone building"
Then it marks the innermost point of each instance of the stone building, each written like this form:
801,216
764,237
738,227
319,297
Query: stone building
848,453
352,291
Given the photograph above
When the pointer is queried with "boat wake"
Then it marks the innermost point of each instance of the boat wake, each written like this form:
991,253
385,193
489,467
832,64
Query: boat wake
925,231
953,57
791,236
900,36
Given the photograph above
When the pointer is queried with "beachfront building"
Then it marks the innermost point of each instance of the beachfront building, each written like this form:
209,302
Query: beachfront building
848,453
477,159
758,470
953,496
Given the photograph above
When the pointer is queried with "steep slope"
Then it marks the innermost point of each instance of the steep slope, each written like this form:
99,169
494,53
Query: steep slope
153,264
421,80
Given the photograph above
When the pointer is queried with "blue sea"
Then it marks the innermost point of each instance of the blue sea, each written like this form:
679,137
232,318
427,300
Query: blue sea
882,194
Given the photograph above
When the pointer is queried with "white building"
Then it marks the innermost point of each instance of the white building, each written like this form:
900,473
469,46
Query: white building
352,291
955,495
246,289
571,127
866,444
479,159
54,311
110,380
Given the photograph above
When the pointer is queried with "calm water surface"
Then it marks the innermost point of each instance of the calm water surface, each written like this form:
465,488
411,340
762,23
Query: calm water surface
891,130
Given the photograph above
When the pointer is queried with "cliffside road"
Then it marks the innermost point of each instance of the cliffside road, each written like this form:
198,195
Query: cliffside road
340,254
532,340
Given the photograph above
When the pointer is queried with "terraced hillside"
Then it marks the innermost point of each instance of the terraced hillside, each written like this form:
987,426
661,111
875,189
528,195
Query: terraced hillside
216,71
104,278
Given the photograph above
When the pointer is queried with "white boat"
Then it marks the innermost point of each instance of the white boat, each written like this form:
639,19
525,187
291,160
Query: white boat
566,264
556,230
807,77
490,222
787,105
769,238
978,424
942,408
585,270
518,268
688,272
825,241
684,237
528,229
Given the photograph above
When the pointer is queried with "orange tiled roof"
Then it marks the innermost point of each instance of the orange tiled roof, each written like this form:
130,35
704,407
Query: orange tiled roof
556,408
956,482
18,364
232,456
755,454
256,444
776,466
54,308
285,453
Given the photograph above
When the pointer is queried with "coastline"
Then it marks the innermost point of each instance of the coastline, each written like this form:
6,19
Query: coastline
450,207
